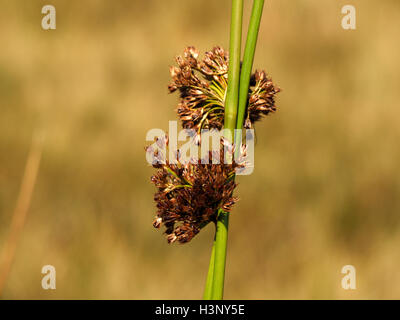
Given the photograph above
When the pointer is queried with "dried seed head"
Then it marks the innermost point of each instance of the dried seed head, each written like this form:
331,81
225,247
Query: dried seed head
261,98
202,85
189,195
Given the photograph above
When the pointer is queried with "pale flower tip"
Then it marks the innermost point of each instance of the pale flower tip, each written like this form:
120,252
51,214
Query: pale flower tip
157,222
173,71
171,238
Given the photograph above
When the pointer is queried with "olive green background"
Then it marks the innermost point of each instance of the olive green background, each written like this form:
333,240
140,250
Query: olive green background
325,190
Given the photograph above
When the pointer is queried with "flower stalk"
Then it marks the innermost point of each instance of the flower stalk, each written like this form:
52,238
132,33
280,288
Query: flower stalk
248,58
235,109
210,276
231,104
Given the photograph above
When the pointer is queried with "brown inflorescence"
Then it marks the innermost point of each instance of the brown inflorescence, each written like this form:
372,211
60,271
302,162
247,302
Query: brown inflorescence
190,195
202,85
261,96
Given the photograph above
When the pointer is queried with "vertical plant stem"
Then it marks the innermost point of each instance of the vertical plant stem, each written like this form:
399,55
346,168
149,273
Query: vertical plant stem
210,276
231,105
248,59
232,94
221,239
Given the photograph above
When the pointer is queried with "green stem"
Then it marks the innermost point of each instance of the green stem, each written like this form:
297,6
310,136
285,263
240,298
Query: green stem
248,59
221,239
235,108
210,276
232,95
231,105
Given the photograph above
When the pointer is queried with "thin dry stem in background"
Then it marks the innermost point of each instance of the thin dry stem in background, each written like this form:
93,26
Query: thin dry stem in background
21,209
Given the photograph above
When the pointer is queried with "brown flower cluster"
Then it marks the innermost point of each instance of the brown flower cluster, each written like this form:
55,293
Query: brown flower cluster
189,195
261,97
202,85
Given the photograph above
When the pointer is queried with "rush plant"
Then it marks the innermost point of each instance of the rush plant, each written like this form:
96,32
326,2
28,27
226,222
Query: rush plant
217,91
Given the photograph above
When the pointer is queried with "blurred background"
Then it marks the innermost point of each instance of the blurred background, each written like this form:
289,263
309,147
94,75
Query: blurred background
324,193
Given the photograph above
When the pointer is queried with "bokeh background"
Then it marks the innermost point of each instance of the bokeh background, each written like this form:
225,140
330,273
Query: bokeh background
325,190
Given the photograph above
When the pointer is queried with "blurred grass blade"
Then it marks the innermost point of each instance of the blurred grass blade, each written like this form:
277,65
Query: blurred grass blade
21,209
